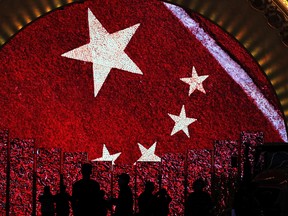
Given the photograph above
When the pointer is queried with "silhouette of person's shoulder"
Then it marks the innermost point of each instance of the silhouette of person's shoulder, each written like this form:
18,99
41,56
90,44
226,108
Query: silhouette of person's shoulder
124,202
86,186
84,182
200,197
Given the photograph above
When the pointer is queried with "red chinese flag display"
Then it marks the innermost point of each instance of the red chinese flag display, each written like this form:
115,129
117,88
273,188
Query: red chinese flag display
121,73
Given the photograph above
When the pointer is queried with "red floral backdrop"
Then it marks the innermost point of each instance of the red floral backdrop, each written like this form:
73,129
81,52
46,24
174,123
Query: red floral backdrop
48,171
21,177
59,113
226,174
3,167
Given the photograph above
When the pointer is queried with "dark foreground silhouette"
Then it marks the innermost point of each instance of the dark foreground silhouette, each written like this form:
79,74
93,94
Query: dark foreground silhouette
199,202
85,194
124,202
47,202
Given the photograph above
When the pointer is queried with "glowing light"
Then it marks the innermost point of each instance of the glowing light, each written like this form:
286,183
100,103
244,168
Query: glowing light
204,9
17,24
263,61
284,102
7,29
26,17
242,34
213,16
37,12
58,5
272,68
256,52
2,41
54,4
277,81
48,8
283,3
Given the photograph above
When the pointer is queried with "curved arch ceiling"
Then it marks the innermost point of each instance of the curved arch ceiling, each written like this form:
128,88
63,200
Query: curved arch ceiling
237,17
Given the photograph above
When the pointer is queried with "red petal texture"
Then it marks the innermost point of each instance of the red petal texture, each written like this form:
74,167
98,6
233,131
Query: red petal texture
48,172
3,168
50,98
21,175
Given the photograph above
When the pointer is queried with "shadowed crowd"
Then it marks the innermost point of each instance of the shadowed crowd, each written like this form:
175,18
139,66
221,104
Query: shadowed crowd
89,200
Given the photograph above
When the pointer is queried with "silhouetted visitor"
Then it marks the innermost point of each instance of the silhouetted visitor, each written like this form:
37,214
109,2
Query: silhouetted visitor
245,201
62,200
161,203
47,202
199,202
124,202
85,194
146,200
103,204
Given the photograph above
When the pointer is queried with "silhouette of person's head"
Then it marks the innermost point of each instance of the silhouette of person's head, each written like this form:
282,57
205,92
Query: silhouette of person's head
149,186
86,170
198,184
47,190
123,179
